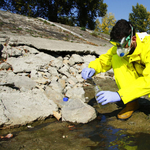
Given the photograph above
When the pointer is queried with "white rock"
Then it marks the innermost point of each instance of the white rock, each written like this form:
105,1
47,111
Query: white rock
76,92
53,71
56,86
22,106
57,62
75,111
64,70
72,81
75,59
73,71
55,96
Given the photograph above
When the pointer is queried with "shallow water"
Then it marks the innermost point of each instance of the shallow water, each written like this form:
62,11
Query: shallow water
54,135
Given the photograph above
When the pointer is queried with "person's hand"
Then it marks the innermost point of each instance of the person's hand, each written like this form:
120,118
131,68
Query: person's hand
105,97
87,73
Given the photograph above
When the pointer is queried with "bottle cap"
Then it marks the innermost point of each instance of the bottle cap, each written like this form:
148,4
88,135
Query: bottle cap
65,99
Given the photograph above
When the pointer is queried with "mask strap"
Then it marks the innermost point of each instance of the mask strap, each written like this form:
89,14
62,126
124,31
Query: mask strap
128,38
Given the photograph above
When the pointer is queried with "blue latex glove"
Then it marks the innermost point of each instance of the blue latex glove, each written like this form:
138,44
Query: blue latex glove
105,97
87,73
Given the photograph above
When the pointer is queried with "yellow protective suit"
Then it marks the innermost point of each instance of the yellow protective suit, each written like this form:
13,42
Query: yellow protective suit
132,72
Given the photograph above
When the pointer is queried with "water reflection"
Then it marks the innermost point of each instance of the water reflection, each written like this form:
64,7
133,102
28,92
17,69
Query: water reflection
109,138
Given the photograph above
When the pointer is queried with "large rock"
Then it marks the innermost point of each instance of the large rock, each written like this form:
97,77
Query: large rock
77,111
75,59
20,82
29,62
56,45
24,107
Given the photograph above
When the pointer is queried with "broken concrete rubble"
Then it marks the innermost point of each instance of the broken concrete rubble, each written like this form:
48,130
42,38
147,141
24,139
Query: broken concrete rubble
35,85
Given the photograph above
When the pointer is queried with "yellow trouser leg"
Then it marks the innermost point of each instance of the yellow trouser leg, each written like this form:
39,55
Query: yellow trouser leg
125,74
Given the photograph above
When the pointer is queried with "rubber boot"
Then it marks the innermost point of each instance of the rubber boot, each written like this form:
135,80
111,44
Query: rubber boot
127,112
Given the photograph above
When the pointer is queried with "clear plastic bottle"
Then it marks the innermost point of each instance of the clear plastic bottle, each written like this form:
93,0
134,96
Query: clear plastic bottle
97,89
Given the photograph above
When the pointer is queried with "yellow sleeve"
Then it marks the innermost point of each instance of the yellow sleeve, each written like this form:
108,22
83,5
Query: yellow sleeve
103,63
140,87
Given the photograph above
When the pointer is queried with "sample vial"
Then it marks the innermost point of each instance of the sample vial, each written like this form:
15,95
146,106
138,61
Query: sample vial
97,89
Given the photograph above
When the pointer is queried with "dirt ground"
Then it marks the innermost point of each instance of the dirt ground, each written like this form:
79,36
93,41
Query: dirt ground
138,122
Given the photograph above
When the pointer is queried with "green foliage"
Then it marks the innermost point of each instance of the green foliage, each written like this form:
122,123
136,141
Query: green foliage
66,20
108,21
140,18
148,26
97,26
83,28
24,7
2,3
71,12
88,11
49,9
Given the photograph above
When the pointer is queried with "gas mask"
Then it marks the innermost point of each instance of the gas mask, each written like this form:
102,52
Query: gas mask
121,50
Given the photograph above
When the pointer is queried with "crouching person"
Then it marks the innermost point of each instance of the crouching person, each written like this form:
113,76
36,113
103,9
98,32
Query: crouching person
130,59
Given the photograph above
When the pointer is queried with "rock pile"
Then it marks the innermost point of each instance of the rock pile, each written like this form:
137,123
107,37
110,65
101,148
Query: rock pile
33,85
36,73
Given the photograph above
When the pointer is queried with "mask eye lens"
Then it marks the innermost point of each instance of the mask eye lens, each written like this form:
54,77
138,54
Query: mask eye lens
115,43
121,43
123,40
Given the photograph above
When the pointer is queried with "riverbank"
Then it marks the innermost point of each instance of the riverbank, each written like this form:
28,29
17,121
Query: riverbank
40,53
